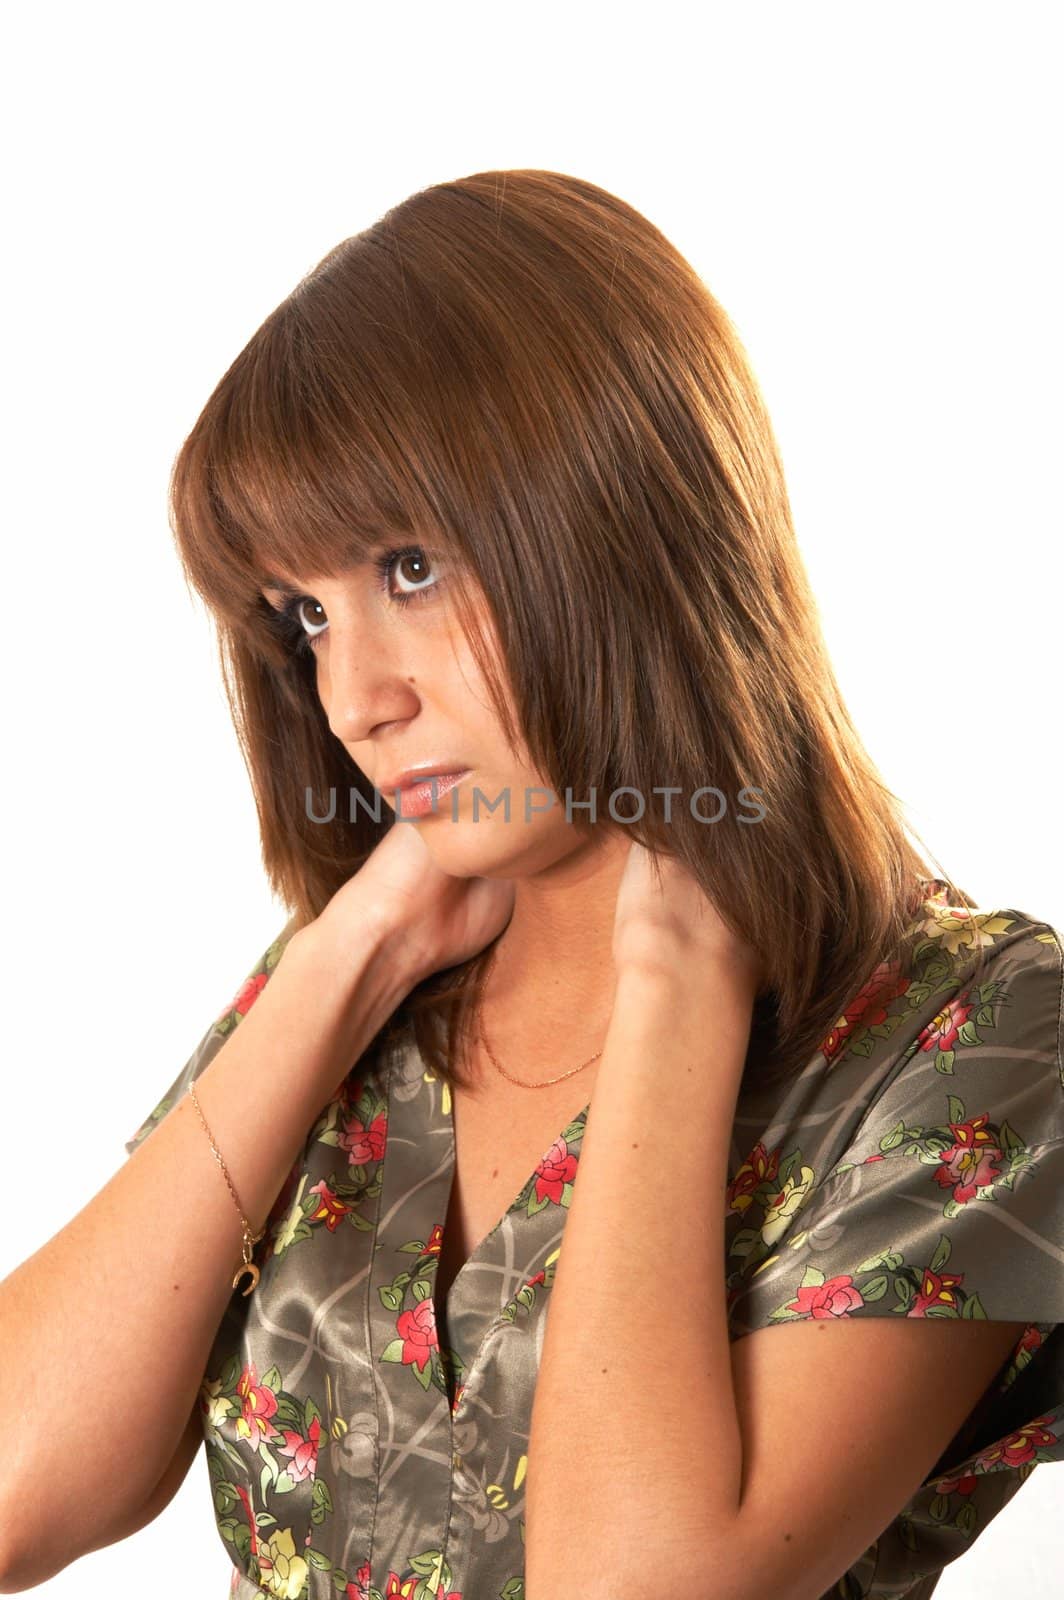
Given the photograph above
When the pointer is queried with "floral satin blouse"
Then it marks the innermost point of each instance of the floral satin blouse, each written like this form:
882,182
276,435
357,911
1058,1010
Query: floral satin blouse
914,1168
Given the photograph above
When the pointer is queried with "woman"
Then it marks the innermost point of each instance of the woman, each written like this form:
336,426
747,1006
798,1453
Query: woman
492,496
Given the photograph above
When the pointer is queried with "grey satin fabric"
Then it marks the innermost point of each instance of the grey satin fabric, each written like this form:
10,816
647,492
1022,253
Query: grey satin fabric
915,1167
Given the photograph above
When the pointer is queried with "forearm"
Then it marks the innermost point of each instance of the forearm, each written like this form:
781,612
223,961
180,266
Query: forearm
634,1403
132,1289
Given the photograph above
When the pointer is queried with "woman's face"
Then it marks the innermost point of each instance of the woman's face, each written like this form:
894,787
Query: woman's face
400,688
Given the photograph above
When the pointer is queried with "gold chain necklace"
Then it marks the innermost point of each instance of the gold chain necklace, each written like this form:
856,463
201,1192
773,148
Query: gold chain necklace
491,1054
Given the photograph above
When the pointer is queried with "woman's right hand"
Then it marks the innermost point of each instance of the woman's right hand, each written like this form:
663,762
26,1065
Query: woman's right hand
429,918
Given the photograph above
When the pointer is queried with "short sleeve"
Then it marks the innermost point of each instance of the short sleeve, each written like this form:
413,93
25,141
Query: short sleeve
949,1198
216,1034
949,1202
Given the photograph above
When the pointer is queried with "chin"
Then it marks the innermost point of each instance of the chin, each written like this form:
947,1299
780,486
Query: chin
494,848
468,849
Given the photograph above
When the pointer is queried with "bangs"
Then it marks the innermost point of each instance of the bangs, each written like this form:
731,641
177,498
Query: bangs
312,453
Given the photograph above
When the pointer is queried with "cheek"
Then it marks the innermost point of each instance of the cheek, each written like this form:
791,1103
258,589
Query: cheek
464,699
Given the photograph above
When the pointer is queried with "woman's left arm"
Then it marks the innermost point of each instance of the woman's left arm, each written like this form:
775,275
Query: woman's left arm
635,1453
662,1458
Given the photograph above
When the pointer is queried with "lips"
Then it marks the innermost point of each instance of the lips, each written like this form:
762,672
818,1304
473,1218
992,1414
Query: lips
412,775
422,798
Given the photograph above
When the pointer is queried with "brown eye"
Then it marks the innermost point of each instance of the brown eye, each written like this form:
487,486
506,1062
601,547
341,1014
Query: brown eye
303,619
310,614
412,567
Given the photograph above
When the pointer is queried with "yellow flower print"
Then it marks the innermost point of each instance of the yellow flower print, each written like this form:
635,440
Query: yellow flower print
218,1406
283,1572
960,929
790,1199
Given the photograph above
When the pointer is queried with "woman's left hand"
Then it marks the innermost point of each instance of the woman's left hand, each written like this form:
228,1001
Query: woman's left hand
658,925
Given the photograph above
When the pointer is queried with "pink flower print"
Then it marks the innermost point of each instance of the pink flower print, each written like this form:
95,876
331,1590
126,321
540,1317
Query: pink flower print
417,1329
835,1297
972,1162
244,1000
868,1008
330,1209
358,1588
758,1168
557,1168
1030,1339
405,1589
936,1289
962,1485
364,1145
259,1404
302,1454
1016,1449
941,1032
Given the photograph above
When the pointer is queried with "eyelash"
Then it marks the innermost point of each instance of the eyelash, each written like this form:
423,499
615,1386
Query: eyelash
383,564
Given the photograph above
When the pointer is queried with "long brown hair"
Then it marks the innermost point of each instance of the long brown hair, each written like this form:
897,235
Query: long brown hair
522,366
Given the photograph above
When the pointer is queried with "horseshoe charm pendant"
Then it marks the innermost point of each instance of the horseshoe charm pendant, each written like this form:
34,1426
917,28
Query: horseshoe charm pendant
253,1271
247,1265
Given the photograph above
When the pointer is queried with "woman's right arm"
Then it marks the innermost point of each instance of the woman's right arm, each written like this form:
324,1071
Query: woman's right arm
106,1330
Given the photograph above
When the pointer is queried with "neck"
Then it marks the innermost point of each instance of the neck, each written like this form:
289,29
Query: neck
548,995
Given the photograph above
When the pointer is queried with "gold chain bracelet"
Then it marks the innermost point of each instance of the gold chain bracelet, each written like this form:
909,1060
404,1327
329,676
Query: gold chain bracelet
249,1238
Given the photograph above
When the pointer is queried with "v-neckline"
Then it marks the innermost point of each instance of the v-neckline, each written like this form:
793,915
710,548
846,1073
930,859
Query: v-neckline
445,1311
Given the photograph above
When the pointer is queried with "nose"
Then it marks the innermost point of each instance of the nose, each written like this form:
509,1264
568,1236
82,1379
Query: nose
362,685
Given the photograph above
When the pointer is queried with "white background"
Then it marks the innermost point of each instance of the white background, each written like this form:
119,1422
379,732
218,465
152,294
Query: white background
872,192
